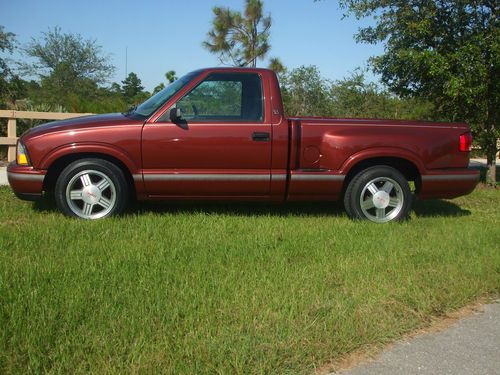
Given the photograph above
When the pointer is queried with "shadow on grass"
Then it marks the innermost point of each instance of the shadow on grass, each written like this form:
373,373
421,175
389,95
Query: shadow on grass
438,207
47,204
219,208
312,209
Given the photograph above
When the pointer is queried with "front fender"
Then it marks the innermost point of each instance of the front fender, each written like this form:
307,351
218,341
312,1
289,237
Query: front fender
99,148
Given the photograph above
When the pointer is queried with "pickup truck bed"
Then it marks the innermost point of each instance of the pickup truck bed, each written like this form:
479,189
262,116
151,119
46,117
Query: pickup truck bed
426,152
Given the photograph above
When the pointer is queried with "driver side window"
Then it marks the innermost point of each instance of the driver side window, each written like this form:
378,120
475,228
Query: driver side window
224,97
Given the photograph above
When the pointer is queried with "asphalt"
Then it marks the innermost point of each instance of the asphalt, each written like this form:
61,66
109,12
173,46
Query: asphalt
471,346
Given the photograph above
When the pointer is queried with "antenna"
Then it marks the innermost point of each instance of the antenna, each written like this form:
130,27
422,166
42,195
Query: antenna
126,62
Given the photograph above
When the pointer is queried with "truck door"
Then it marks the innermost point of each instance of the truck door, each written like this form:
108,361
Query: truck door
220,147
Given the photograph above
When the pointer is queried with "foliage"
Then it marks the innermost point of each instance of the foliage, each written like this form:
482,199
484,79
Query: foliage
71,71
240,39
231,288
305,92
69,55
7,44
445,51
354,97
159,87
131,88
276,65
170,76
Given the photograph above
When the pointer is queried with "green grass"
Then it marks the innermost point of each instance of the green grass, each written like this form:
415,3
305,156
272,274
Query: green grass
231,288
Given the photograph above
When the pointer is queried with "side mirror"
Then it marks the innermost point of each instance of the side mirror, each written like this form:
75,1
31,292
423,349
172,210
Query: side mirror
175,114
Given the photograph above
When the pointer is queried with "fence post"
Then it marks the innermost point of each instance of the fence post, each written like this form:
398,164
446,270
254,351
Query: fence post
11,133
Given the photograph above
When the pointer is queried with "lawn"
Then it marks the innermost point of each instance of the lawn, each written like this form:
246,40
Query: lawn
231,288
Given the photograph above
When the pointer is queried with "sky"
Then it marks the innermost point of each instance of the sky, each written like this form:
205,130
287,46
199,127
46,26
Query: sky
168,35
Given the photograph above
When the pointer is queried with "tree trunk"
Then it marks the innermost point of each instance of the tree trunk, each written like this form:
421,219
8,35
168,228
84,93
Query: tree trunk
491,155
491,172
488,143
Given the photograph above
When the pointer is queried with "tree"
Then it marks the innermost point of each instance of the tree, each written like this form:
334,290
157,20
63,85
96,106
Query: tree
447,51
115,88
81,58
7,44
240,39
158,88
353,96
277,66
305,92
71,70
131,87
171,76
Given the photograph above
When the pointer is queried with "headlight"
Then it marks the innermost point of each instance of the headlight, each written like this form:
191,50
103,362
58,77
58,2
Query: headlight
22,154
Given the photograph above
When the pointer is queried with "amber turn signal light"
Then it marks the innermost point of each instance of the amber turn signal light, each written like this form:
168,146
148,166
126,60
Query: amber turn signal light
22,155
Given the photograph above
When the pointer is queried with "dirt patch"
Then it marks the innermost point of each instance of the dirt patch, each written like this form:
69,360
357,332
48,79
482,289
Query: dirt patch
366,354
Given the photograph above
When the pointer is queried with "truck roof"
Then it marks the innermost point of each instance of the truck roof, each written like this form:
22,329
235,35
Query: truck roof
235,69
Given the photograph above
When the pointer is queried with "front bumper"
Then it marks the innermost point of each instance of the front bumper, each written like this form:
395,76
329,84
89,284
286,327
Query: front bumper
26,182
448,183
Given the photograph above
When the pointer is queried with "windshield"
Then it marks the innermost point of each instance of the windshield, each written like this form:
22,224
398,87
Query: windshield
157,100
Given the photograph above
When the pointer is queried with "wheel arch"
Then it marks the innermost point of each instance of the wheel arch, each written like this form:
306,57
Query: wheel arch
406,167
57,166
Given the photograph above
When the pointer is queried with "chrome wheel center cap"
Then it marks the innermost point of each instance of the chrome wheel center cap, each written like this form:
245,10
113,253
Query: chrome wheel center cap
91,194
381,199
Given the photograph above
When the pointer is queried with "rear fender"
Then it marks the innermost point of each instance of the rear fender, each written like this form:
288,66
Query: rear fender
381,152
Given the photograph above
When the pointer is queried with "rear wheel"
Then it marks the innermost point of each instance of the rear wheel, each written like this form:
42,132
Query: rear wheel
91,189
379,194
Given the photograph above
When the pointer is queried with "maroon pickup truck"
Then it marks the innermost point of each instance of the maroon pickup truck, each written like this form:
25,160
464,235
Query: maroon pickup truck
222,134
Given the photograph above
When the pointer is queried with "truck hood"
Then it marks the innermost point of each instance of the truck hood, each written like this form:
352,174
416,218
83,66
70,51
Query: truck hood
105,120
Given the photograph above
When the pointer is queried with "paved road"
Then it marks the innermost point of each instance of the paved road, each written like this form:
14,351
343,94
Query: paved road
469,347
481,163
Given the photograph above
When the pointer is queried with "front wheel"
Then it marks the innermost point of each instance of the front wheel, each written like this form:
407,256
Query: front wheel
379,194
91,189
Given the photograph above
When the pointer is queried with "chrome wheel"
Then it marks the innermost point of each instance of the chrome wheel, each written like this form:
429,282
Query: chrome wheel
91,194
381,199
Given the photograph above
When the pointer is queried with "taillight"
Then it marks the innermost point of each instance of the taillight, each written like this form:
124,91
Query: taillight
465,142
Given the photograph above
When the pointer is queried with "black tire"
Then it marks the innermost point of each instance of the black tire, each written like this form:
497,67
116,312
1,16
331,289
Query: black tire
385,194
91,189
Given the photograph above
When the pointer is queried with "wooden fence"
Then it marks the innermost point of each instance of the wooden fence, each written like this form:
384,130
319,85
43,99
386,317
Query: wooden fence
11,117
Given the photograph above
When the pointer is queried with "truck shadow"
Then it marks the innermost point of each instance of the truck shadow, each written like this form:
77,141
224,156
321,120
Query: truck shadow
438,207
313,209
309,209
